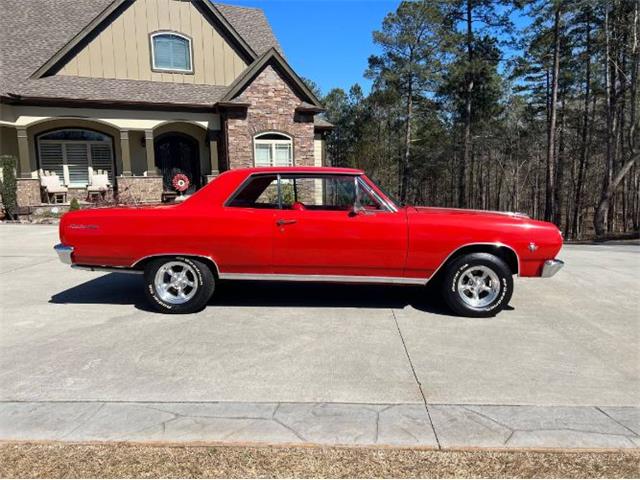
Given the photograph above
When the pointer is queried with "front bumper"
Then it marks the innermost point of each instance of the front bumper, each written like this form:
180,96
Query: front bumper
64,253
551,267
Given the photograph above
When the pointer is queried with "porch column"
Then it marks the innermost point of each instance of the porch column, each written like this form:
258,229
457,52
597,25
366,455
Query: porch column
126,153
24,162
212,135
151,153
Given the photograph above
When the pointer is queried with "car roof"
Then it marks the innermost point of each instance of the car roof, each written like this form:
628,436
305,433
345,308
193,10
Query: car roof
325,170
229,181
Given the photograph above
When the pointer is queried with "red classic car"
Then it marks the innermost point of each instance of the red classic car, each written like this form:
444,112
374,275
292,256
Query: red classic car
310,224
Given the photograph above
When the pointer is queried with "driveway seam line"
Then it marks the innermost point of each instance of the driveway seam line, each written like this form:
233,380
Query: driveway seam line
27,266
415,376
616,421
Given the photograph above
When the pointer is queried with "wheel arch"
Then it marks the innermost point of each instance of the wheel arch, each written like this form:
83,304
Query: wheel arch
141,263
500,250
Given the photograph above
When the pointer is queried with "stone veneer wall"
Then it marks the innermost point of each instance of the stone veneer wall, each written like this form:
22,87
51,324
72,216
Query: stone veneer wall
28,192
273,105
140,189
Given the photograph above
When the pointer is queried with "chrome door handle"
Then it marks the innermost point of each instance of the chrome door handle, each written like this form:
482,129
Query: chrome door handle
282,222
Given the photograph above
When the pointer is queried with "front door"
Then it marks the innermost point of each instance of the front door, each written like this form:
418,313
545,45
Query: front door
318,231
178,153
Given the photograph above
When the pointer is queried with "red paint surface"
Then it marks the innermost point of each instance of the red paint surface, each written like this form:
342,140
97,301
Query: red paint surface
412,242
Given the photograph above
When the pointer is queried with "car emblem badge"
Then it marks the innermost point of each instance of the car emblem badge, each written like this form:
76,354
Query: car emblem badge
532,247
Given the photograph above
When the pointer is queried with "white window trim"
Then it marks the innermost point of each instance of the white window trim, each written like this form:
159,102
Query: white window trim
272,144
65,166
153,53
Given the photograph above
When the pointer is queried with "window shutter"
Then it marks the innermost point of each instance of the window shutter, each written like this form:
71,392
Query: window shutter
51,158
78,163
101,159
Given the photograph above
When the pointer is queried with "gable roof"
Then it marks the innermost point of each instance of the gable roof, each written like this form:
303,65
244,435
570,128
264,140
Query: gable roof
271,57
33,34
252,25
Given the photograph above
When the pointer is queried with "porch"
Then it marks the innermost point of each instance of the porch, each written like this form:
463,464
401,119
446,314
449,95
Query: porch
140,163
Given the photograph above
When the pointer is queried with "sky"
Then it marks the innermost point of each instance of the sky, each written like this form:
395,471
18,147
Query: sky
327,41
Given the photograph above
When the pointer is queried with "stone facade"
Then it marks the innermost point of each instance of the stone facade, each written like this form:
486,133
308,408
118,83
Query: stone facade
28,192
272,108
139,189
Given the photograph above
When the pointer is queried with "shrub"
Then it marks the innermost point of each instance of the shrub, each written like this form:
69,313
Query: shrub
9,185
74,205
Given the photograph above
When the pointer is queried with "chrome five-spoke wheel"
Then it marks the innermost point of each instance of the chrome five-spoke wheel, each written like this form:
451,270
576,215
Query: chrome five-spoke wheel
179,284
478,286
176,282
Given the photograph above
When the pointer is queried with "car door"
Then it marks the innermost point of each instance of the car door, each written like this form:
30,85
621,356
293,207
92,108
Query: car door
242,234
319,232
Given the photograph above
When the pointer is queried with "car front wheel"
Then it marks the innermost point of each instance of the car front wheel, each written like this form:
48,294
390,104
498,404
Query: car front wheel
178,284
478,285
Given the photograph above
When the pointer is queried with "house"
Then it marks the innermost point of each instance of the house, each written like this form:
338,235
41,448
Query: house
144,90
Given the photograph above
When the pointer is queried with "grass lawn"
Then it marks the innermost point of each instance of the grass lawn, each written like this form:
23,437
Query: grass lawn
116,460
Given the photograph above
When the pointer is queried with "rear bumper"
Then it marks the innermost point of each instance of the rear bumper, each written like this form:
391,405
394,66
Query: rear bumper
64,253
551,267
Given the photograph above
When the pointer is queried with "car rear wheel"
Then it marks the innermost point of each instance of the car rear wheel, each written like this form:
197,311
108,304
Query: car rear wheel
478,285
178,284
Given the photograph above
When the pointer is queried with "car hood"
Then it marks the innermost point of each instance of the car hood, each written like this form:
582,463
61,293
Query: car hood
466,212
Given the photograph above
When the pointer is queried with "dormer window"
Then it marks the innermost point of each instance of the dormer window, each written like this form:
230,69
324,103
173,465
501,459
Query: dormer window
171,52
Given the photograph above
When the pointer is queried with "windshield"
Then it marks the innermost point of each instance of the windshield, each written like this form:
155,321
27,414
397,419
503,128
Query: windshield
387,194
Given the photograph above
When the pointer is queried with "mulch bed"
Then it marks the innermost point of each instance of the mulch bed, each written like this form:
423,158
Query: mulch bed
118,460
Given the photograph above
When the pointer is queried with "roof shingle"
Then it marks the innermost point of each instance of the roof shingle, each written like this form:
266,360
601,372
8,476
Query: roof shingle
32,31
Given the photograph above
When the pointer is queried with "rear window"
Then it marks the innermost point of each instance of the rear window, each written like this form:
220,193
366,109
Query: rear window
259,192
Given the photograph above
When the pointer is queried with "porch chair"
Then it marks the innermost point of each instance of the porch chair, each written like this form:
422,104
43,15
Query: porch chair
52,188
99,185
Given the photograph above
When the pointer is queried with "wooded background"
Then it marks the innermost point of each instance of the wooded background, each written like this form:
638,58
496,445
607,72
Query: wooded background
467,110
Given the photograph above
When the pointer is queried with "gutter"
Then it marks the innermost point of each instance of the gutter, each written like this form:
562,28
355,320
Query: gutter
16,99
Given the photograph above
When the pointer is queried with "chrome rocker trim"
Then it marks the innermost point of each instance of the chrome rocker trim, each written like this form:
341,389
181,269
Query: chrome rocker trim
323,278
93,268
551,267
64,253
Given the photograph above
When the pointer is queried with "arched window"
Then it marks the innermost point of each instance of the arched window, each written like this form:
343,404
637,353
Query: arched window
273,150
171,52
75,155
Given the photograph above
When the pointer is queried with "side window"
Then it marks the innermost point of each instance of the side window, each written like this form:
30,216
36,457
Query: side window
336,192
259,192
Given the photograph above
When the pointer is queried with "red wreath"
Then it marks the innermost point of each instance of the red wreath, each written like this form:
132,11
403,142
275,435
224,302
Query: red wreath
180,182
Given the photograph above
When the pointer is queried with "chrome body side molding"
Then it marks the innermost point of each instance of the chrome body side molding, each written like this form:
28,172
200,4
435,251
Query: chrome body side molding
322,278
94,268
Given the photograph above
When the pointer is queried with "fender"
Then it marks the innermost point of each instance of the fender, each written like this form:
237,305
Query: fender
491,244
174,254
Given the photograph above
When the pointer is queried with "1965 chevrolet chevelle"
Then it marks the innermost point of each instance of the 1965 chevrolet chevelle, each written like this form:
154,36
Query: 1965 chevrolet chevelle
310,224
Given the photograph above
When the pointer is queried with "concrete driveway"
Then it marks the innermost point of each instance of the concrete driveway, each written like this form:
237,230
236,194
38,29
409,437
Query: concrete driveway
73,336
